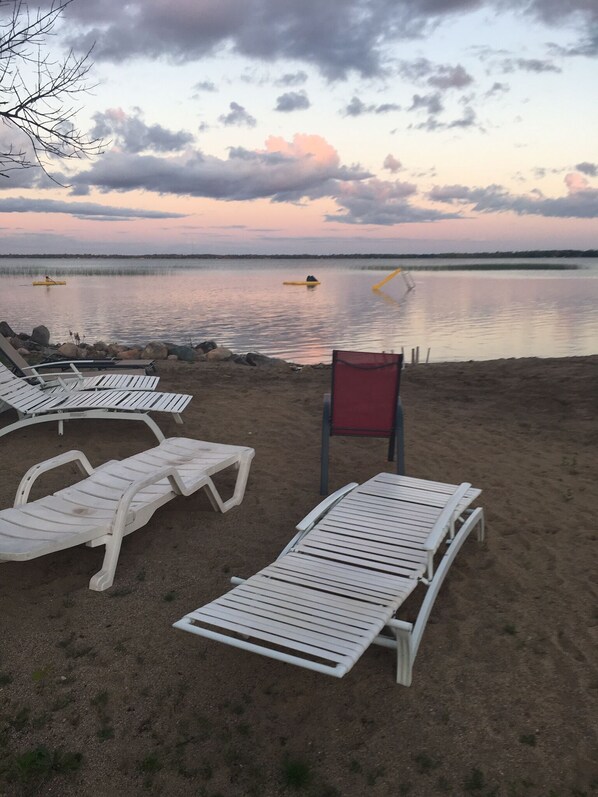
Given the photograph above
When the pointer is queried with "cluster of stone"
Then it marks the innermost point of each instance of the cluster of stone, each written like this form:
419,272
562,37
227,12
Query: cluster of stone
37,347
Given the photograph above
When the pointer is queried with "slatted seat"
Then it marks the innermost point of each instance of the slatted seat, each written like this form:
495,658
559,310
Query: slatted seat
115,499
325,613
104,381
340,582
35,404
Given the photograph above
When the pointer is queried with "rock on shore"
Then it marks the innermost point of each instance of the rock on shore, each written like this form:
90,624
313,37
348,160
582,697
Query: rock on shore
36,347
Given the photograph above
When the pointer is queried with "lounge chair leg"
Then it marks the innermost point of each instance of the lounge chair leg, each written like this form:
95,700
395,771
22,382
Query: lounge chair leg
60,427
99,414
325,446
177,418
400,440
481,532
404,657
396,441
241,483
104,578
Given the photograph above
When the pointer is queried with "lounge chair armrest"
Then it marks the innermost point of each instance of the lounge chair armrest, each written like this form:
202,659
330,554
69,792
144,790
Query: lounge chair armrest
40,366
310,520
445,519
61,363
35,471
113,540
61,377
168,472
324,506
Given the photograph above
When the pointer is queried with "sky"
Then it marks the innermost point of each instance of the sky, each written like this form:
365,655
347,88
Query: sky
321,127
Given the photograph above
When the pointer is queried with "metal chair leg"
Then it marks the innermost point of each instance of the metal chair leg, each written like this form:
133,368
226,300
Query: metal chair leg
325,446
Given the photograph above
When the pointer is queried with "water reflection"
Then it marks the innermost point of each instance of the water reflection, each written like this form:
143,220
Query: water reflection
459,315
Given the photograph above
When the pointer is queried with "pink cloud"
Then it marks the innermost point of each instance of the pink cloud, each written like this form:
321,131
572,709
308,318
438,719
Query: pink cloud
575,182
305,146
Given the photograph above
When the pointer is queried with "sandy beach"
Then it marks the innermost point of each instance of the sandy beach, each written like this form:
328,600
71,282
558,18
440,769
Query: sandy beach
100,696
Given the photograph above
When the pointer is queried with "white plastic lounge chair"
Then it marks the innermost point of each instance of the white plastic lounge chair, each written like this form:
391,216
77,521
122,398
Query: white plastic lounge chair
55,366
341,580
115,499
35,404
73,378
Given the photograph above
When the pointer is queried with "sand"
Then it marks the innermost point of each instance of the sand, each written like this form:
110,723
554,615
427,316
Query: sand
100,696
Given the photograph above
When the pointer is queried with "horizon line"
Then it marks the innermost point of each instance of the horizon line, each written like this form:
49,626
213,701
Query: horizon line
354,255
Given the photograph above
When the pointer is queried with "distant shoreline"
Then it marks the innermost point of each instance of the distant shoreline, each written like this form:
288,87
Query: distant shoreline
536,253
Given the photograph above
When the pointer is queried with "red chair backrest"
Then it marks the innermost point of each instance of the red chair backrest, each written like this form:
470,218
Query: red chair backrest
365,391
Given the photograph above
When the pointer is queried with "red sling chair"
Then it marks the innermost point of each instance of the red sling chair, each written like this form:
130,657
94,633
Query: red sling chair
364,401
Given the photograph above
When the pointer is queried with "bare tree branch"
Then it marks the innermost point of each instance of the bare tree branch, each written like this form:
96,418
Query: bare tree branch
37,93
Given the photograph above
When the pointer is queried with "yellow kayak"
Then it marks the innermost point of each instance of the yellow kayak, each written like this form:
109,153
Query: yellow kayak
49,282
311,282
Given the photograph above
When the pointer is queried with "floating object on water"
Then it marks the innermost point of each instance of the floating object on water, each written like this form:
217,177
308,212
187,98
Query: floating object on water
309,280
48,281
408,279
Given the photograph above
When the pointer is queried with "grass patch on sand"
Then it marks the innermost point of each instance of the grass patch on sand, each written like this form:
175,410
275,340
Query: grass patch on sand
36,766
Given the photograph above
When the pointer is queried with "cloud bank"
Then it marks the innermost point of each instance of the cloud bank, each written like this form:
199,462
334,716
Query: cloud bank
337,37
81,210
308,166
581,201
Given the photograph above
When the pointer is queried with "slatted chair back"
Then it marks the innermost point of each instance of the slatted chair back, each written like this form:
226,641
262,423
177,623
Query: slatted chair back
94,380
364,401
11,357
19,365
365,390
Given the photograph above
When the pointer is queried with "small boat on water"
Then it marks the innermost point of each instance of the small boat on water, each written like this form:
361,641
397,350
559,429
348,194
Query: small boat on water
49,281
310,280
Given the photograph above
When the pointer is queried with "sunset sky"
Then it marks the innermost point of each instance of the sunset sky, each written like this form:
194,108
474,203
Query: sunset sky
321,127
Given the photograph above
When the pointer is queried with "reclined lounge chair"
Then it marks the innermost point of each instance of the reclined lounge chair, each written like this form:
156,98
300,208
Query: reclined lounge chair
35,404
341,580
115,499
70,376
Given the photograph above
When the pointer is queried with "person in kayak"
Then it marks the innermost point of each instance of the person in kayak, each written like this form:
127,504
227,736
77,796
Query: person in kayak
310,278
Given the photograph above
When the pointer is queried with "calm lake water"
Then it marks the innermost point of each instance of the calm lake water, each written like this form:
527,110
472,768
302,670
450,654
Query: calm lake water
459,309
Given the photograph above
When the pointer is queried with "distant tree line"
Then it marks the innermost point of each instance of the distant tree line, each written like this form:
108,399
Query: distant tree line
535,253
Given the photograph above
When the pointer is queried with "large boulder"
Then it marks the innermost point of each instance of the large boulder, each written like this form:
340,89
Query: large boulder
255,358
68,350
16,342
97,350
219,354
155,351
186,353
206,346
24,352
6,330
96,353
41,335
129,354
